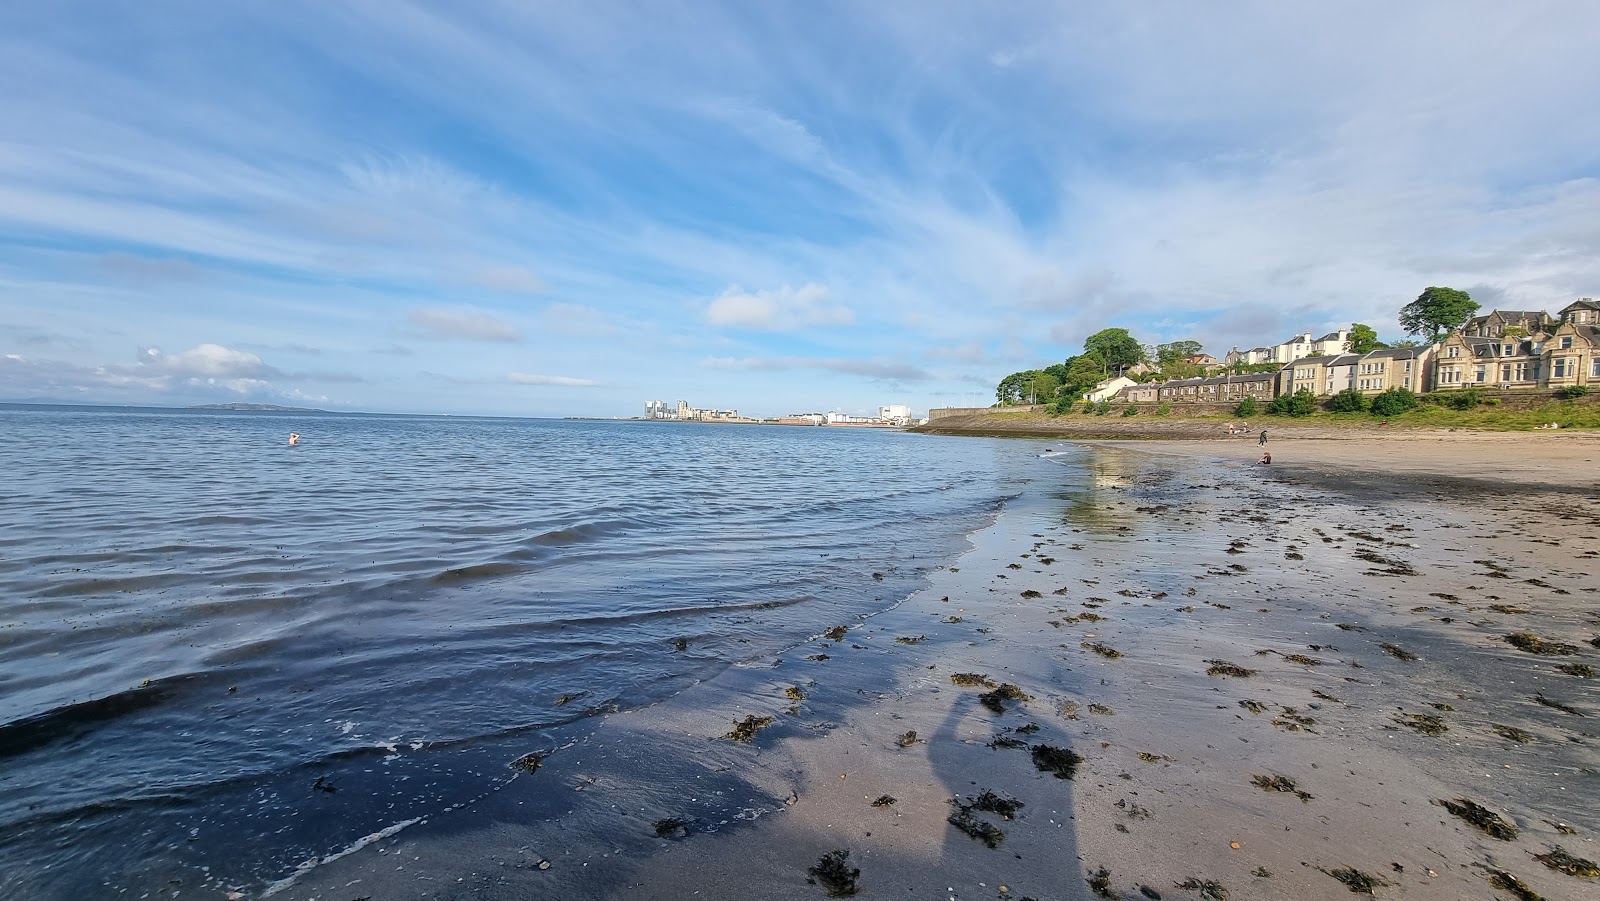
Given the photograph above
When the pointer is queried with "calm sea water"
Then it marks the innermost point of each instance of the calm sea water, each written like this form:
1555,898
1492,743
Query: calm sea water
202,628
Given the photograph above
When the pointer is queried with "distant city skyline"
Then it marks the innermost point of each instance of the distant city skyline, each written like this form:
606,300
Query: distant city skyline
553,210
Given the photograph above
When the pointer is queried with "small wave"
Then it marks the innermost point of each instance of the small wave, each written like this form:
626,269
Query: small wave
73,720
478,571
355,846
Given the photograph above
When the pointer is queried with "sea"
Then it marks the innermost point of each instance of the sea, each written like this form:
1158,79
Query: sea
203,628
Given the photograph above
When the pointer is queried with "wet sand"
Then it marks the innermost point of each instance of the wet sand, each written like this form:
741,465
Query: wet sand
1228,681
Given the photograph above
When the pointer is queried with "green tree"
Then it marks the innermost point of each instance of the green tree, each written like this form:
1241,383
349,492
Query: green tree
1176,352
1115,347
1364,340
1348,401
1015,388
1083,372
1393,402
1246,408
1437,311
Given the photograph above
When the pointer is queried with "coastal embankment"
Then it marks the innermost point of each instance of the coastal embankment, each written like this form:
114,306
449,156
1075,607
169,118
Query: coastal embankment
1162,672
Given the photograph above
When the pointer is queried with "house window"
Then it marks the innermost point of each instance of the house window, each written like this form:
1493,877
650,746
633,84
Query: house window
1566,342
1479,374
1452,351
1406,382
1594,368
1560,371
1507,349
1505,373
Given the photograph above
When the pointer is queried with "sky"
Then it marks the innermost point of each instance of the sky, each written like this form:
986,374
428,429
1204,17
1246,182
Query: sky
526,208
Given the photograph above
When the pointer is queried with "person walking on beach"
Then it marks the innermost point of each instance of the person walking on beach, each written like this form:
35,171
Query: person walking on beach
1263,441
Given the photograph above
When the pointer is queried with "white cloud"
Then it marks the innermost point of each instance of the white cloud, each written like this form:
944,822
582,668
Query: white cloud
523,378
212,361
508,280
877,370
466,323
782,310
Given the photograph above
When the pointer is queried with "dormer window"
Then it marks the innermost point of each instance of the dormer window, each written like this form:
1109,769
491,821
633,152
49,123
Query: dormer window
1566,342
1508,349
1453,351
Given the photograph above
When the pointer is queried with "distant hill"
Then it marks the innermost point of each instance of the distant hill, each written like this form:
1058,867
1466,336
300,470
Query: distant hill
248,407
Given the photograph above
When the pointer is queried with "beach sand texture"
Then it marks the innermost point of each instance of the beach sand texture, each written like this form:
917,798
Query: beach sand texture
1369,668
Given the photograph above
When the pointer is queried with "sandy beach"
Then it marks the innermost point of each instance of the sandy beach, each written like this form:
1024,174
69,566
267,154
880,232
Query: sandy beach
1163,672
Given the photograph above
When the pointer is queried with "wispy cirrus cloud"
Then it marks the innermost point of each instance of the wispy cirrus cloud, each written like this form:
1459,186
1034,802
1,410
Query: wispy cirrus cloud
559,381
779,310
877,370
461,323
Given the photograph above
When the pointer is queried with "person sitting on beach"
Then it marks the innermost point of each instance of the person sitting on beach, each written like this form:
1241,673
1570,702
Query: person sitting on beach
294,438
1266,457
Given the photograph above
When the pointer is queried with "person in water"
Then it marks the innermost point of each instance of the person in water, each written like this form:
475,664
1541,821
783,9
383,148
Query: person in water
294,438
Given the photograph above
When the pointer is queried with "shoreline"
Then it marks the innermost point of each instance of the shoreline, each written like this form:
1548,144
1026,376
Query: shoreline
1168,557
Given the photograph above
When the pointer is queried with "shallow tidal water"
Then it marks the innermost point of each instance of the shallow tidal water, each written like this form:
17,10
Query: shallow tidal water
205,634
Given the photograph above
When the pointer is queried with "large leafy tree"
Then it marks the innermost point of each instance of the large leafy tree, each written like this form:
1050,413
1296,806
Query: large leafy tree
1437,311
1115,347
1027,386
1177,352
1364,339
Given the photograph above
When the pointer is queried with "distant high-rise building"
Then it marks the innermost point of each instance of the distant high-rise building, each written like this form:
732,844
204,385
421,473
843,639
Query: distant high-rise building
898,413
656,409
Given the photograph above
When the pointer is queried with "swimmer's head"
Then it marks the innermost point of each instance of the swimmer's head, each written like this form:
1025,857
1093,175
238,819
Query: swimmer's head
294,437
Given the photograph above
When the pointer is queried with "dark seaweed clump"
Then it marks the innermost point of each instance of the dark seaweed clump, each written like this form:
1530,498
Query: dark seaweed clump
1426,723
1394,650
913,639
795,693
1253,706
1101,649
1481,817
671,827
1100,883
1302,659
1559,859
836,633
1211,891
1533,644
1506,882
995,700
1059,762
1224,668
834,873
746,729
529,763
1557,705
989,834
1356,881
1277,783
971,679
993,802
885,801
1512,733
908,739
1581,670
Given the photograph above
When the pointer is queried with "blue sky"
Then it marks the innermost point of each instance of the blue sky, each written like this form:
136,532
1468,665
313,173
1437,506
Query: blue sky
547,209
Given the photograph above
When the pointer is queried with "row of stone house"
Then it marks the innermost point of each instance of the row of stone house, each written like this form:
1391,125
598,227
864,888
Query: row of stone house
1506,350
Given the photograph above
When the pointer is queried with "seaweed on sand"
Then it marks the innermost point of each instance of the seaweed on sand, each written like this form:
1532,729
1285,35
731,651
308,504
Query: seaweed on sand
1277,783
1210,891
885,801
1506,882
908,739
672,827
1511,733
1426,723
1559,859
911,639
1557,705
1030,594
1394,650
1482,817
971,679
1061,763
834,873
1224,668
1356,881
1102,710
795,693
989,834
995,700
746,729
1533,644
529,763
1100,883
993,802
1253,706
1101,649
1581,670
836,633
